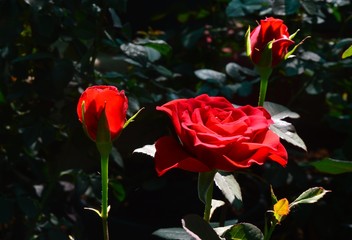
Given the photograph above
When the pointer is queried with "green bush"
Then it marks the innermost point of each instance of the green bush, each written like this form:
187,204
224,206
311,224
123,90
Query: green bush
51,51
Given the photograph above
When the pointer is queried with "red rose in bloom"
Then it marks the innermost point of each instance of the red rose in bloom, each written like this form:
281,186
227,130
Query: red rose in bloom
270,30
213,134
94,99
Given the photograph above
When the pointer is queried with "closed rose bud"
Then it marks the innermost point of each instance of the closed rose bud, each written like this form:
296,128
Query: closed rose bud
96,101
268,43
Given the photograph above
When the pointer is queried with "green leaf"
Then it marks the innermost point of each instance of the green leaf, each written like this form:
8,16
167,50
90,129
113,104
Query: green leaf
240,8
118,189
228,185
243,89
312,56
116,157
137,53
243,231
190,39
347,53
205,181
210,76
112,74
214,205
312,195
198,228
172,234
146,149
115,18
313,8
332,166
235,9
161,46
163,71
209,89
152,54
283,129
239,72
285,7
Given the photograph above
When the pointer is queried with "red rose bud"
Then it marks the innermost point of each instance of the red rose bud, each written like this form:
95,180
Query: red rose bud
268,43
102,111
213,134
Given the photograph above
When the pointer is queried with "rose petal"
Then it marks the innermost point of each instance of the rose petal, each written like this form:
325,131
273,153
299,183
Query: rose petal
115,110
170,154
245,154
280,155
279,49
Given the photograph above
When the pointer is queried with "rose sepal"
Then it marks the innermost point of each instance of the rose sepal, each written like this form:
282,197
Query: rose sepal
84,121
289,54
293,35
248,42
131,119
267,56
103,138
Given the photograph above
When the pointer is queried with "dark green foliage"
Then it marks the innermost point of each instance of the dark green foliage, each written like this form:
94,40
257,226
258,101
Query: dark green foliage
156,51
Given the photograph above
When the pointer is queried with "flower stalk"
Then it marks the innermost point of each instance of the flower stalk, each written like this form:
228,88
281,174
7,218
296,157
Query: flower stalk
104,194
104,146
209,197
264,79
268,231
205,191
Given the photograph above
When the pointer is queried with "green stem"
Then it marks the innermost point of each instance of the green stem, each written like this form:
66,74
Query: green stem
209,197
264,79
105,228
262,92
267,235
205,191
104,194
269,232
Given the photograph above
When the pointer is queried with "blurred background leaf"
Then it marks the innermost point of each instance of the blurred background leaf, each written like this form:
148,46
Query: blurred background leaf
50,51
